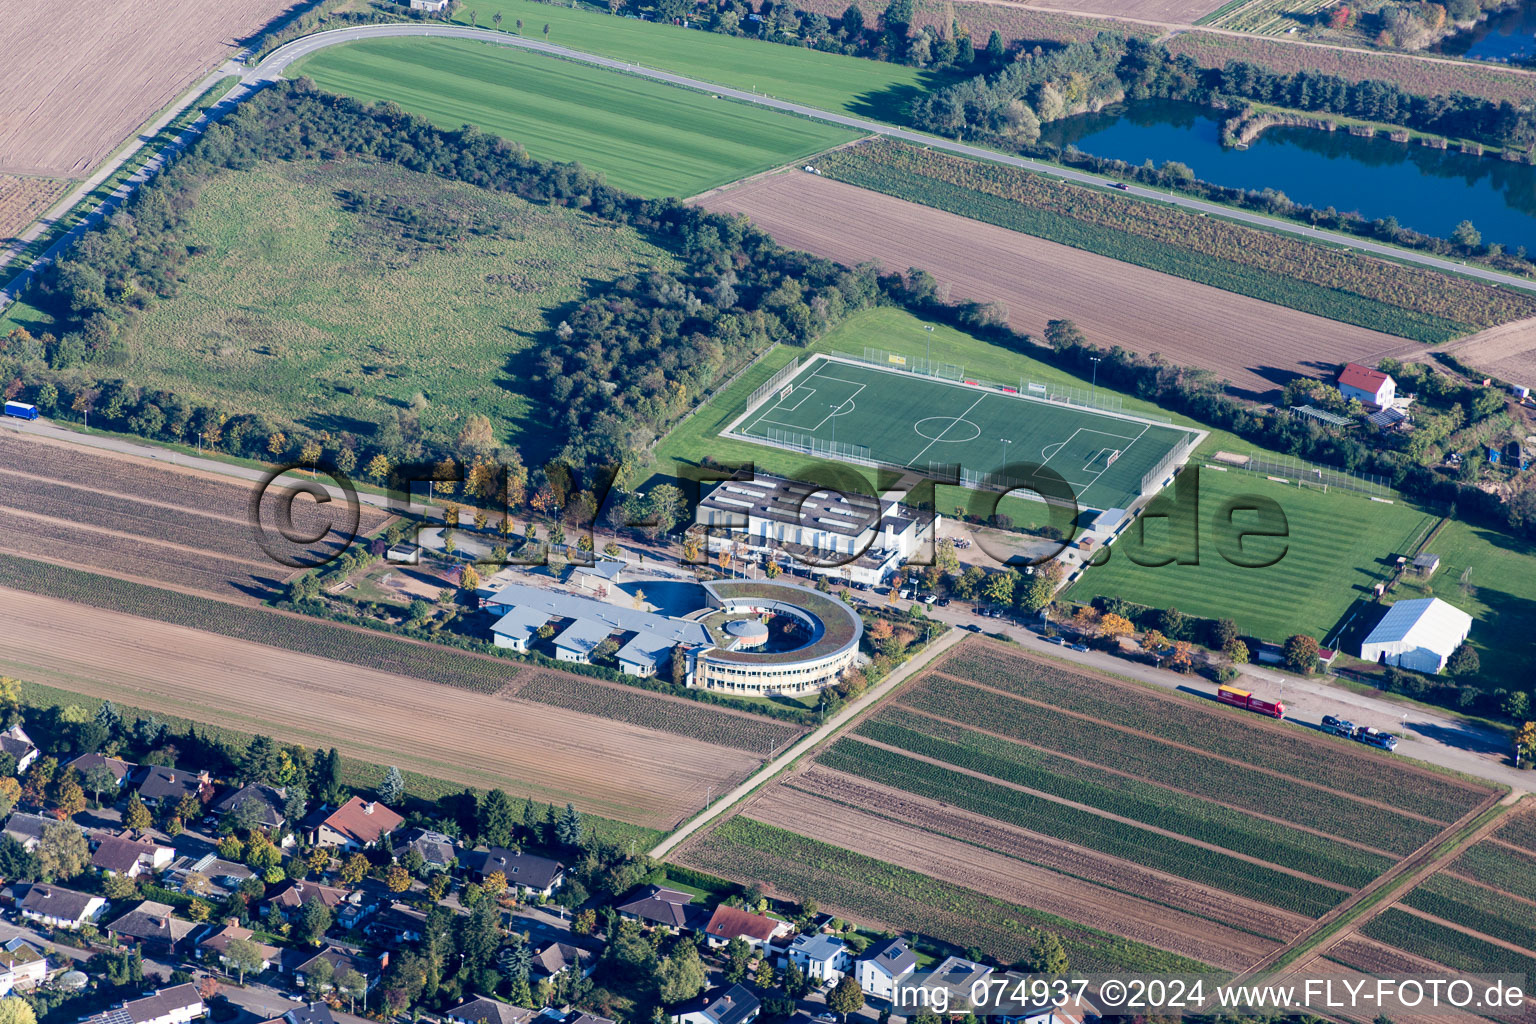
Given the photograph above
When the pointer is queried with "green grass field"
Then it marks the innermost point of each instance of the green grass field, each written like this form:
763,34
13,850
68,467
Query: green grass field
1338,546
831,81
336,317
645,137
907,420
1498,594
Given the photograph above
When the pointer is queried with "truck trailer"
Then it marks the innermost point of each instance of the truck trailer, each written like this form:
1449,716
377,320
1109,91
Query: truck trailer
21,410
1248,702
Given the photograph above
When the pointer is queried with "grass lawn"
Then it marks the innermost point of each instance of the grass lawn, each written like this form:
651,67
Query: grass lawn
1500,595
853,85
326,311
645,137
1338,546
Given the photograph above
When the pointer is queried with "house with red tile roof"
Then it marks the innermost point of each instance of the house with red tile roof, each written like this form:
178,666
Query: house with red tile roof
353,825
1372,387
729,923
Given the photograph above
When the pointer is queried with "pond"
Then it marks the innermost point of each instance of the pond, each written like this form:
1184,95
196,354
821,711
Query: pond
1429,190
1505,36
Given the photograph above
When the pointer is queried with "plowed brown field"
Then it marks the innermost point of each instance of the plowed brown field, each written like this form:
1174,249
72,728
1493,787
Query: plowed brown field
604,767
80,75
23,200
1255,345
133,518
1178,12
1005,877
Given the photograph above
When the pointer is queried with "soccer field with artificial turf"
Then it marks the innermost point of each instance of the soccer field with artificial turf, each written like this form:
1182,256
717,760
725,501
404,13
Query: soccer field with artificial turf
851,411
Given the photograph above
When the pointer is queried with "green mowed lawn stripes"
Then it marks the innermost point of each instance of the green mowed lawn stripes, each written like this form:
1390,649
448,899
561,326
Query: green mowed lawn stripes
1499,867
1153,766
1482,910
1157,763
1129,798
909,420
1498,595
854,85
645,137
324,310
907,901
1336,547
1454,949
1335,764
1083,828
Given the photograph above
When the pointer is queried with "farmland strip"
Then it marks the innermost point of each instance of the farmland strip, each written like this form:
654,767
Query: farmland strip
1127,798
1270,745
1500,867
1003,877
1445,945
1181,771
872,891
1063,858
1134,843
1481,909
1519,830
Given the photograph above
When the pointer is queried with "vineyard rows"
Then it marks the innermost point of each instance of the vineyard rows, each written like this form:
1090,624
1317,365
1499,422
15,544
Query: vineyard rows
1083,828
1335,766
306,636
1265,265
1456,950
1520,830
1130,798
1499,867
874,891
1166,765
700,722
1482,910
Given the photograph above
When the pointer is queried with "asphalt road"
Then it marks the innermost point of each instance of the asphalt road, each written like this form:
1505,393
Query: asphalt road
276,64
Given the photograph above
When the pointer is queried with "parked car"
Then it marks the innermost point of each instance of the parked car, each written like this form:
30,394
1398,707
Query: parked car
1080,647
1338,726
1059,641
972,627
943,601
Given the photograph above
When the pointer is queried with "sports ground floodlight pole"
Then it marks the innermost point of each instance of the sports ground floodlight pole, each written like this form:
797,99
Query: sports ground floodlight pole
1006,442
1095,361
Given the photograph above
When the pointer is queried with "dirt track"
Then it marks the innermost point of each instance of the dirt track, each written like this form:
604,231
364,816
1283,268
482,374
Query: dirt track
82,74
1507,351
1182,12
996,874
1256,345
608,768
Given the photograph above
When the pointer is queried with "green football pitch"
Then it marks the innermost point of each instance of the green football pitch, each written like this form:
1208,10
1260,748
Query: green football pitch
850,411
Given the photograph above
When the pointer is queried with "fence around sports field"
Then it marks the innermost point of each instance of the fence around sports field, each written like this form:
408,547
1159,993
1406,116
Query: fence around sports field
1288,469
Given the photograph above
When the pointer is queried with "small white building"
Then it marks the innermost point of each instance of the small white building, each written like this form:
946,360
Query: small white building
883,966
824,958
58,907
1420,635
434,6
1372,387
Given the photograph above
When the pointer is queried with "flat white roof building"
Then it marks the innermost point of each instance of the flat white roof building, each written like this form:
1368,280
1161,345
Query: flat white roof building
1421,635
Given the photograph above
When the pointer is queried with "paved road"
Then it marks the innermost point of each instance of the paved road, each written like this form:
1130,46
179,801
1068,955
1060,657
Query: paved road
275,65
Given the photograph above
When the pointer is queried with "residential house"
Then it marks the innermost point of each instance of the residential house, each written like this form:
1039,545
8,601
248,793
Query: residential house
438,851
119,855
57,907
397,923
179,1004
225,875
342,960
655,905
528,873
959,976
18,744
884,965
266,804
216,944
431,6
120,769
734,1005
824,958
560,957
352,826
291,895
22,966
482,1010
167,787
729,923
154,926
27,829
1371,387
